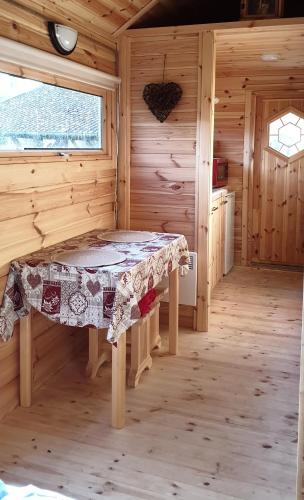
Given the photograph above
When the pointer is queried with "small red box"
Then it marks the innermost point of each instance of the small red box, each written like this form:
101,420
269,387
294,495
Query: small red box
220,173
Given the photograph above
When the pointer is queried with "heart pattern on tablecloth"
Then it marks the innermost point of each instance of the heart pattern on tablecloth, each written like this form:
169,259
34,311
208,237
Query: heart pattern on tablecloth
93,287
34,280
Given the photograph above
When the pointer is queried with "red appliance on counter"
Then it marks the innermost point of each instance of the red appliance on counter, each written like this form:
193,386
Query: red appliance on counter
220,172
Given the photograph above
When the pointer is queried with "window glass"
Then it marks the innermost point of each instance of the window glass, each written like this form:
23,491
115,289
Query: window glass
35,115
286,134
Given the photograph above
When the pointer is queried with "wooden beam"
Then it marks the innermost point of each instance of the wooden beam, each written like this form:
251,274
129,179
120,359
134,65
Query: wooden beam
254,26
204,168
124,142
135,18
247,166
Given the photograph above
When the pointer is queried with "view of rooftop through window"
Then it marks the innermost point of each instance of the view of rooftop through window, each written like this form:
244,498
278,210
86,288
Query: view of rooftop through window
35,115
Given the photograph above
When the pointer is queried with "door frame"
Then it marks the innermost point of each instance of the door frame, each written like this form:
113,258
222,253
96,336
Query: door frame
251,98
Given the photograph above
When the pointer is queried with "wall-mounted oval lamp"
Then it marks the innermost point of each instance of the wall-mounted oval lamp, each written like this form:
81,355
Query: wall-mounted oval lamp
63,38
216,100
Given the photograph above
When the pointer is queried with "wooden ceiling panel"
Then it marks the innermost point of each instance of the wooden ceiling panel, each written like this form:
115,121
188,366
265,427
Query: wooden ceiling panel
239,52
99,18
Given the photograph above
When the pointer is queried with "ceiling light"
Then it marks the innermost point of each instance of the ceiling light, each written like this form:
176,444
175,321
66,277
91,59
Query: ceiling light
270,57
63,38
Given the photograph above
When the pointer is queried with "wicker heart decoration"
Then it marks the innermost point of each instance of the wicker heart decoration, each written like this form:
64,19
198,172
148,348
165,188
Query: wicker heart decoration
161,98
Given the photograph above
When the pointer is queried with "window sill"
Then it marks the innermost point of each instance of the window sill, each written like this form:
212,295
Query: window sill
59,155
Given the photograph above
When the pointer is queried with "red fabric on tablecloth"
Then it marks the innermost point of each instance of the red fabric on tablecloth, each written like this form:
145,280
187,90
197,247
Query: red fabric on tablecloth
146,302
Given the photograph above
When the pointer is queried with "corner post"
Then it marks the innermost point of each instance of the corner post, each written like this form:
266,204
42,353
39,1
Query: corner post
205,136
124,128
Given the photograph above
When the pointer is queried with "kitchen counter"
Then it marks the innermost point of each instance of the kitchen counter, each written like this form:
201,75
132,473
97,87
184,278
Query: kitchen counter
216,193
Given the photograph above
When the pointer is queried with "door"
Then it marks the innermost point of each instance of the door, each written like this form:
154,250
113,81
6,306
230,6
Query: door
276,223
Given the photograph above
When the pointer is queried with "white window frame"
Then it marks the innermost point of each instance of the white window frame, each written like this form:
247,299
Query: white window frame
21,60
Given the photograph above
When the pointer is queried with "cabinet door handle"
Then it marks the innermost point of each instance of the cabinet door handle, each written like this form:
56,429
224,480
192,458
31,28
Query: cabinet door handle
214,209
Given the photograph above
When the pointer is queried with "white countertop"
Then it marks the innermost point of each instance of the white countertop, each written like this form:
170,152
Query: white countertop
216,193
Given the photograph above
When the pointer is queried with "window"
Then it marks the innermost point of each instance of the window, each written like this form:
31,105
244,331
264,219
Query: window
36,115
286,134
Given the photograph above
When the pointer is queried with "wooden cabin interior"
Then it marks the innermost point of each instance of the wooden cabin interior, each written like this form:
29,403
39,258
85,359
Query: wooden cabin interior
221,416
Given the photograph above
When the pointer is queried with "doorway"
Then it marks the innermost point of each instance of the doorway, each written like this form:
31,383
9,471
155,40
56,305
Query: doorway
276,181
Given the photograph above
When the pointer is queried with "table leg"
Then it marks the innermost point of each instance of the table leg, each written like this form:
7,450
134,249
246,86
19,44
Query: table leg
173,310
93,346
119,382
25,361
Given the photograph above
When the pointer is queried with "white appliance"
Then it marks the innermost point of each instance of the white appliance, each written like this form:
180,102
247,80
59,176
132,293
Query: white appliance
187,284
229,206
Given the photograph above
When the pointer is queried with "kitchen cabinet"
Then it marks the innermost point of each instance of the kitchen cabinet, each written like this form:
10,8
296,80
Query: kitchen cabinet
220,222
216,253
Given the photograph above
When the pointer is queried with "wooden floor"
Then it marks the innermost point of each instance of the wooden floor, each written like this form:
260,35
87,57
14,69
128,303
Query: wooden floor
218,422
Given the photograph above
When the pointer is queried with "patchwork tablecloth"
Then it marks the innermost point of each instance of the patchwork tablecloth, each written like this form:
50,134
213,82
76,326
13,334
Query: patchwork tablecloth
100,297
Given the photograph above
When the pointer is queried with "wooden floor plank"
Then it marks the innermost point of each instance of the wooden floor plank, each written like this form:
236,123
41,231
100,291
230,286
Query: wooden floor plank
217,422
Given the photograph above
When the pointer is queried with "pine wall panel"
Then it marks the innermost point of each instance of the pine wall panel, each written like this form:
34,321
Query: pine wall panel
24,24
163,155
45,199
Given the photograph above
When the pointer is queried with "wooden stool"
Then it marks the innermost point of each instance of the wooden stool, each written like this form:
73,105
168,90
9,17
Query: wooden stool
140,350
155,338
144,338
96,359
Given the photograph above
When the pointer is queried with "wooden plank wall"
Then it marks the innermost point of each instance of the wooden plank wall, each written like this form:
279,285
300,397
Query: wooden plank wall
27,26
47,199
163,155
230,121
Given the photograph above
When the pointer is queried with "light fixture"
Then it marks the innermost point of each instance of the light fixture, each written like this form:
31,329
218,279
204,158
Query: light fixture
270,57
216,100
63,38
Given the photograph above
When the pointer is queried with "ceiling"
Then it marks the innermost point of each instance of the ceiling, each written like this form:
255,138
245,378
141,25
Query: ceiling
108,18
239,51
184,12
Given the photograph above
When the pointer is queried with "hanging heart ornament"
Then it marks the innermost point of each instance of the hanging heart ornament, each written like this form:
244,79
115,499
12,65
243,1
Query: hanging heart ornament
161,98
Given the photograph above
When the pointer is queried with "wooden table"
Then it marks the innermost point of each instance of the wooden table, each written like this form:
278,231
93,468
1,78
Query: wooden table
118,357
93,298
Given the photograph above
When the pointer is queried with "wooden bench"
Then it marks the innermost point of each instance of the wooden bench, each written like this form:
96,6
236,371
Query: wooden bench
144,338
